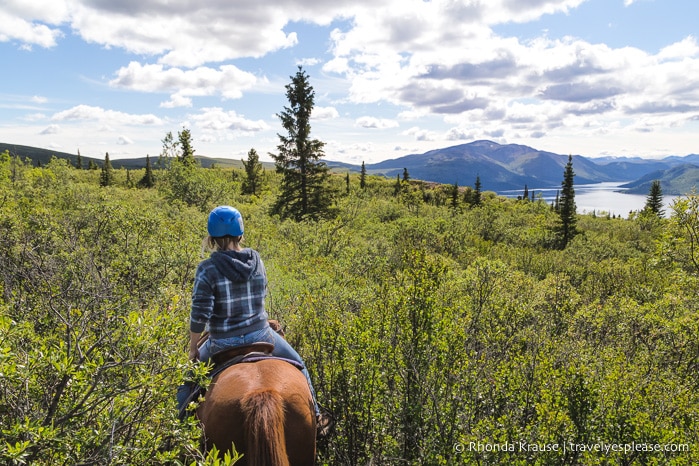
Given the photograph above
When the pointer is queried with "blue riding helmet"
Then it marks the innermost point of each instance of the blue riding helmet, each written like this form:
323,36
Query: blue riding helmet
225,220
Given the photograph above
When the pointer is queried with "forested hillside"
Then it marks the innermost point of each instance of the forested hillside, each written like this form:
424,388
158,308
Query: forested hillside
438,329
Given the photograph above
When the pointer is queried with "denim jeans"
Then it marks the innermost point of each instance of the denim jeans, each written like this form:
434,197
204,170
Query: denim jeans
282,349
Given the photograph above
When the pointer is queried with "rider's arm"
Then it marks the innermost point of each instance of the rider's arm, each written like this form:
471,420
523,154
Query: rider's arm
193,350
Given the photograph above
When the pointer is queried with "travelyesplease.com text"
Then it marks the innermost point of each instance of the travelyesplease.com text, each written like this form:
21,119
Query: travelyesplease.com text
600,447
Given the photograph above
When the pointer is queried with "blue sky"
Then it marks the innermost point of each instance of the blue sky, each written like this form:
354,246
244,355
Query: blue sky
392,77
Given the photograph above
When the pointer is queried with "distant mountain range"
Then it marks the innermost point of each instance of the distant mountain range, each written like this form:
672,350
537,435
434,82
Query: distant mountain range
500,167
43,156
512,166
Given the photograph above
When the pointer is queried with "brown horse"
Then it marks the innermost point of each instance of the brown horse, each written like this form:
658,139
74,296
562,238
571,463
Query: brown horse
265,410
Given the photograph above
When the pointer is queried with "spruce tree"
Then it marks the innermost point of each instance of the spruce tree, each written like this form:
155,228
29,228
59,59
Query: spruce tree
79,161
654,201
477,192
455,196
567,209
187,151
129,180
398,186
107,175
362,177
406,175
467,197
253,174
305,193
148,181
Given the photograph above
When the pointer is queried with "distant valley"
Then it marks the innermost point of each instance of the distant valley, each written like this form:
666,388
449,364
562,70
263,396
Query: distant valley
510,167
500,167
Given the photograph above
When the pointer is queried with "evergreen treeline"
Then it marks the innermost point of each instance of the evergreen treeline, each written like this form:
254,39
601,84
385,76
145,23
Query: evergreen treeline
439,331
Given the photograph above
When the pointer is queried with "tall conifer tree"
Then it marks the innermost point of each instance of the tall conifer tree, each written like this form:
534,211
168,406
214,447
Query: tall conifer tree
186,148
398,186
477,192
253,174
129,181
567,209
654,201
305,193
148,181
362,176
107,175
455,196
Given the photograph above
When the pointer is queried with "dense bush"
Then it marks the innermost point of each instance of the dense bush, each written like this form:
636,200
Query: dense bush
437,334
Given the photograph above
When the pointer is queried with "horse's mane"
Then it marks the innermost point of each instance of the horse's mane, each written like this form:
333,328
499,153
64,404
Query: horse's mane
263,411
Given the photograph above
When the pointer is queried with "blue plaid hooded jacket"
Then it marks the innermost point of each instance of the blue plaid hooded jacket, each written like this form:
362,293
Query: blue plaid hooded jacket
229,294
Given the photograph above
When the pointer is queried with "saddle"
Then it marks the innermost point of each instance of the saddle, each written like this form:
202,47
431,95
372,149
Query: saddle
260,347
246,353
224,359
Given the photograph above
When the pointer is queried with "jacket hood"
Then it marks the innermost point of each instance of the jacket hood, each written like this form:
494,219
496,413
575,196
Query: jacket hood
237,266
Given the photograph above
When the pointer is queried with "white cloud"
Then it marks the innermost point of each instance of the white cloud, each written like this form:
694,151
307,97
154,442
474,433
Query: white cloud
308,61
352,153
189,33
180,33
501,85
683,49
413,114
46,11
324,113
90,113
215,120
458,134
228,81
420,134
51,129
339,65
177,100
34,117
378,123
124,141
27,33
30,23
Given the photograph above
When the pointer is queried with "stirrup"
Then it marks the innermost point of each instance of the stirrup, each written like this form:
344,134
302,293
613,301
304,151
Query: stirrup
325,422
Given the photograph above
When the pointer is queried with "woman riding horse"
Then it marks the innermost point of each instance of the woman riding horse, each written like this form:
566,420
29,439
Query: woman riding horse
229,297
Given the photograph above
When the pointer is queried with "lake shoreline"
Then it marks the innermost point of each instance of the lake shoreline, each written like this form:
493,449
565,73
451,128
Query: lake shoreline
600,198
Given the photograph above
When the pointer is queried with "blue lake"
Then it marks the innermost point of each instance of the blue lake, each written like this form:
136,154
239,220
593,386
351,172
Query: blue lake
600,198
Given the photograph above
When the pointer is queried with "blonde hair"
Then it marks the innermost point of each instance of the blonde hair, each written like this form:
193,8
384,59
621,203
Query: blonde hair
220,243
